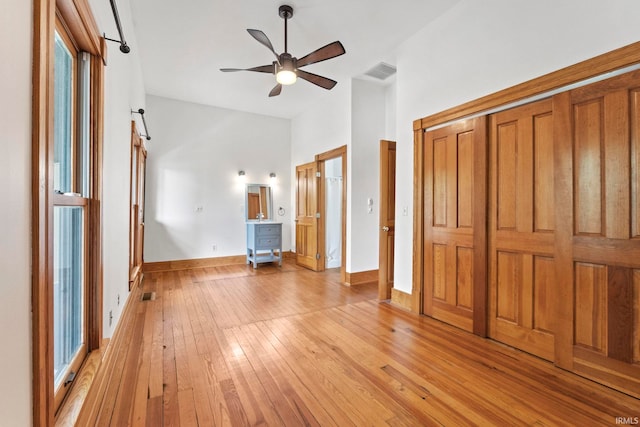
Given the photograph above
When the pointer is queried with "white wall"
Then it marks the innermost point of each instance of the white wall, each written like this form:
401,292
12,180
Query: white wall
193,161
123,92
15,215
368,111
478,48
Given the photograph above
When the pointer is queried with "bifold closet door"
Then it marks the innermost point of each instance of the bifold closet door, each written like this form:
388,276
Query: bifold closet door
522,228
455,254
597,152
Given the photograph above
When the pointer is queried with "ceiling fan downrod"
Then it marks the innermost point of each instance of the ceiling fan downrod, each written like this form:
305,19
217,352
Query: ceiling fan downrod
285,12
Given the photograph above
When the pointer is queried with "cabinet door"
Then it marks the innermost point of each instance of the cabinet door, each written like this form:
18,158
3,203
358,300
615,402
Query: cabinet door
597,141
521,228
455,224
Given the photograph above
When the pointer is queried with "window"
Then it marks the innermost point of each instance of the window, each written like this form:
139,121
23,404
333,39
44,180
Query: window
136,217
71,142
67,143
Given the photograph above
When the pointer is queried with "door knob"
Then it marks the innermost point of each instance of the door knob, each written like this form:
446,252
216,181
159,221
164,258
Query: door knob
385,228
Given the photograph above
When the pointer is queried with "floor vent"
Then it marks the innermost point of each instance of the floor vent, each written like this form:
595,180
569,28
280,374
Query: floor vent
381,71
148,296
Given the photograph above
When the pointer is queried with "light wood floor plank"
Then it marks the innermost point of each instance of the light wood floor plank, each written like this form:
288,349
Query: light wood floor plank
285,346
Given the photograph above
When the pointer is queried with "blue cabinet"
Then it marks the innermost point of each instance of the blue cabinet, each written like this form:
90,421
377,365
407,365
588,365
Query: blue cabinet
264,242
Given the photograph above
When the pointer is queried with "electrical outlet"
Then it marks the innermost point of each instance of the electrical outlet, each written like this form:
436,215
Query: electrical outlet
118,299
110,317
214,248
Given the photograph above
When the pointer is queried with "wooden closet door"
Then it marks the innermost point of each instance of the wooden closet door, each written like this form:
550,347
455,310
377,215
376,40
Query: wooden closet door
521,228
597,139
455,224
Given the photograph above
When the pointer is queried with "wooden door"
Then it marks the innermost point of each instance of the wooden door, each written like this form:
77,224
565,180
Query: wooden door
597,139
455,252
387,217
307,254
521,228
253,205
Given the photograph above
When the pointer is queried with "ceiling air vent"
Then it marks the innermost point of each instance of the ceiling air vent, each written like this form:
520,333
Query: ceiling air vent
381,71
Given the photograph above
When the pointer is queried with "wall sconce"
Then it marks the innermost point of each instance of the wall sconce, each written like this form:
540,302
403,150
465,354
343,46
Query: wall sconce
272,175
272,178
241,173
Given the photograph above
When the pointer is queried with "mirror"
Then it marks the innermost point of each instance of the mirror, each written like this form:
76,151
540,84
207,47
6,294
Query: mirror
258,203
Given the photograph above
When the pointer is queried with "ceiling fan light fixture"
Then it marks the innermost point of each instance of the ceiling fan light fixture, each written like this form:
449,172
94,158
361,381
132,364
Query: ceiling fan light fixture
286,77
286,73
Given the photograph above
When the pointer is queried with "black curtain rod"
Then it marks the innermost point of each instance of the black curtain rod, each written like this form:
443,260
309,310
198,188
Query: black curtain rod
144,122
124,48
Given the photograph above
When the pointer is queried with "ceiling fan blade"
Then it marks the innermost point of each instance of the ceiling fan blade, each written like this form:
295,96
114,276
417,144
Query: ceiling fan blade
276,90
263,39
317,80
326,52
261,69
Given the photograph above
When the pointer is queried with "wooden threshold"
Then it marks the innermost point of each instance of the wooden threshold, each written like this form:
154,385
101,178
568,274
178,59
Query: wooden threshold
287,346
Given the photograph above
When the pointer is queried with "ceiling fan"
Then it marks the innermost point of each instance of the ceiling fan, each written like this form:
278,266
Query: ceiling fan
286,67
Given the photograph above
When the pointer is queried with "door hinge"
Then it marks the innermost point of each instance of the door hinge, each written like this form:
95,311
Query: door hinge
317,214
318,175
317,256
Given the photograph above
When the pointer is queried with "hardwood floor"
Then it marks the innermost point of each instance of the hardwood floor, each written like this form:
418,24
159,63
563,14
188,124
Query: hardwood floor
236,346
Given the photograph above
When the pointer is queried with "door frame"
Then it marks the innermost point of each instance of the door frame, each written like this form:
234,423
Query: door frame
597,66
320,159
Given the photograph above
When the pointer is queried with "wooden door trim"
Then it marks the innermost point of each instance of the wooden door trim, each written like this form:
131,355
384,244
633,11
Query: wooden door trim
321,158
607,62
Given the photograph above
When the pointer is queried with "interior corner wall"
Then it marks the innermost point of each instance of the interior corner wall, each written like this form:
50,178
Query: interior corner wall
194,196
15,215
478,48
391,105
123,92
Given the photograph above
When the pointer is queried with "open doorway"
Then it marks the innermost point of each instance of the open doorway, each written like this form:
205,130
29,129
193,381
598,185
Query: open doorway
333,212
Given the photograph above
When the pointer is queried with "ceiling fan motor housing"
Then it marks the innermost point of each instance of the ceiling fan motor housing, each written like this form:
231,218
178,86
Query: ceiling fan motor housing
287,62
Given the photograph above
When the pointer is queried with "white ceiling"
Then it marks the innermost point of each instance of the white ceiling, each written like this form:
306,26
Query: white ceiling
183,44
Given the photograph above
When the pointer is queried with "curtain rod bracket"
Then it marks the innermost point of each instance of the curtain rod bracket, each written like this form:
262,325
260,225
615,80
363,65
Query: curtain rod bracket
124,48
144,122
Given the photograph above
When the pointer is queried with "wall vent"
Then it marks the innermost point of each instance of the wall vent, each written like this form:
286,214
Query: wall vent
382,71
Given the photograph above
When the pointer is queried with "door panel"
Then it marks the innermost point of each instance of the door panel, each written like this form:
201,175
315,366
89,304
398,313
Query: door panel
387,218
306,221
598,252
455,231
521,228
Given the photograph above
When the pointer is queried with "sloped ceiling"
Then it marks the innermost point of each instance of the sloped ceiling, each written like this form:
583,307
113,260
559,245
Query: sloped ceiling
183,44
